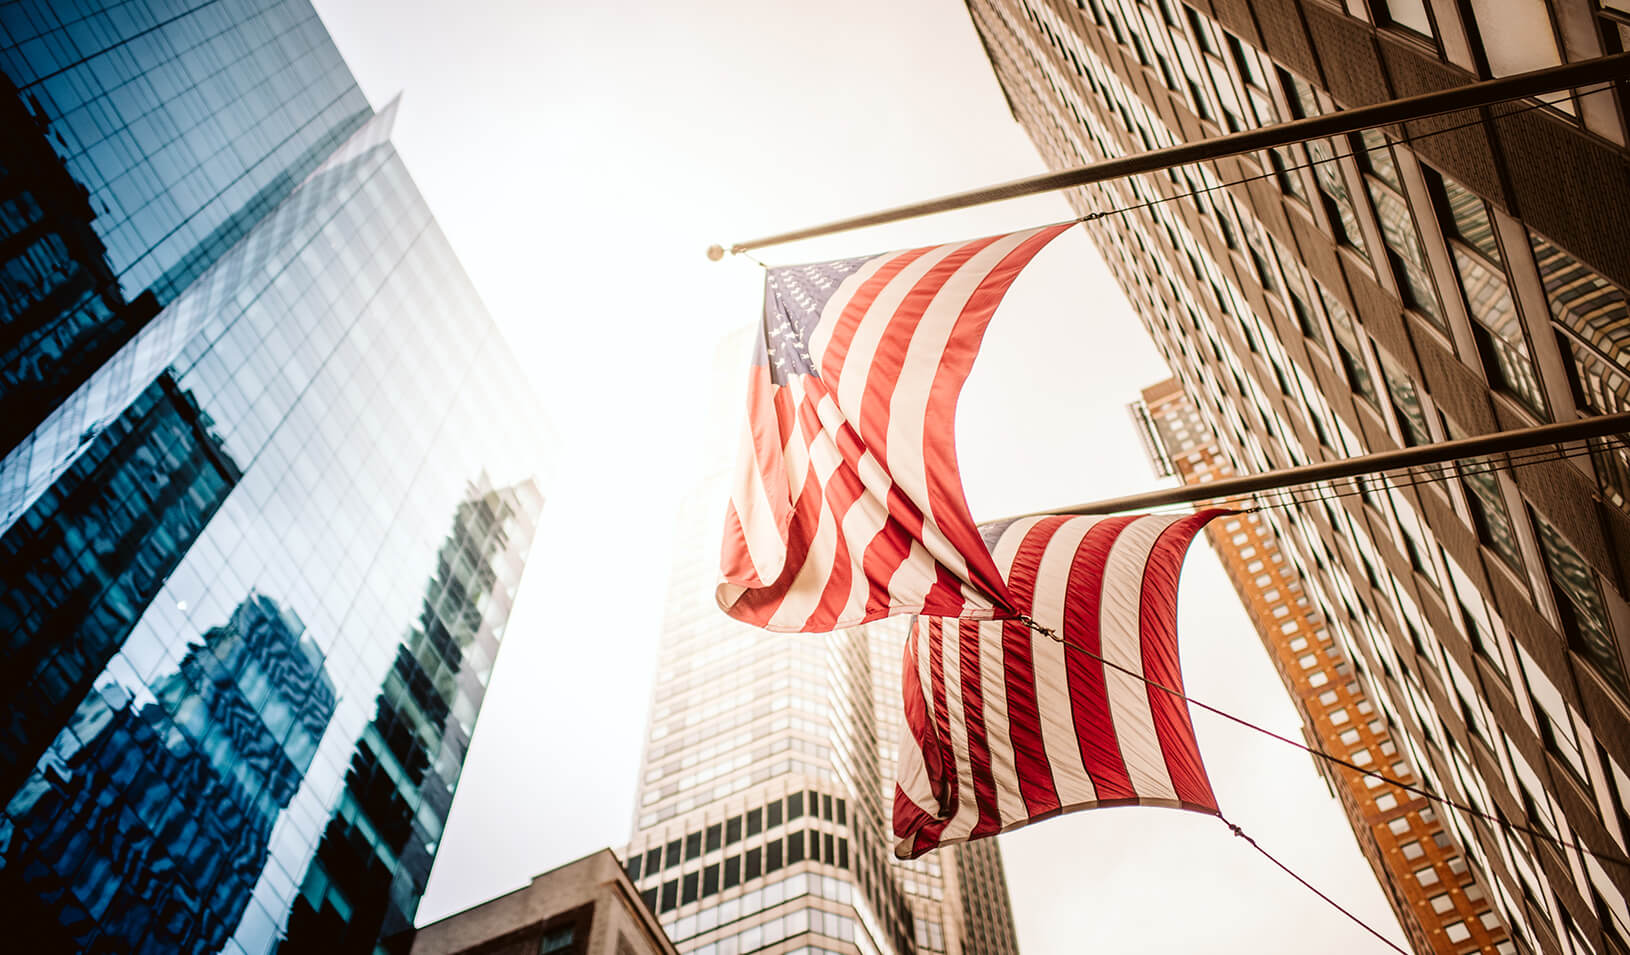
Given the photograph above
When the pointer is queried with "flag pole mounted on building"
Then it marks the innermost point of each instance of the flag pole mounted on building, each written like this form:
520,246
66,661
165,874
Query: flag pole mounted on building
1605,69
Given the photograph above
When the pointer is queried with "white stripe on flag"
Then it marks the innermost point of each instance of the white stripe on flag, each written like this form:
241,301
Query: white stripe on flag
908,407
1119,615
1070,777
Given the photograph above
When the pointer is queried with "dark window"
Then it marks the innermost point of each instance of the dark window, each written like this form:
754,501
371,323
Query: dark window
633,869
710,879
755,822
795,848
556,940
693,845
715,837
755,866
650,897
692,883
670,894
772,856
826,808
843,853
1579,603
732,830
732,872
795,805
843,812
829,843
671,858
653,860
775,814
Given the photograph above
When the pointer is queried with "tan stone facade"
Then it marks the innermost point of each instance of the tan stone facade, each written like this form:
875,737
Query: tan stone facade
587,907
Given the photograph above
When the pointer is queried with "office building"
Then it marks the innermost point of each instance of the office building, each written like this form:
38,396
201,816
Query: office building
1445,277
586,907
762,820
1422,871
265,499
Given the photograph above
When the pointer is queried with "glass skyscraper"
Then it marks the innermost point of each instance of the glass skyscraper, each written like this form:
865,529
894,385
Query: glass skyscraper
267,487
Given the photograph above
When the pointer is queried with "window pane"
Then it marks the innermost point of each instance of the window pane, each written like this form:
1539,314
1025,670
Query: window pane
1583,618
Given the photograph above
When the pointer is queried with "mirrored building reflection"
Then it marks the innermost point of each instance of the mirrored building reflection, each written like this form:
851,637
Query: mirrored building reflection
268,479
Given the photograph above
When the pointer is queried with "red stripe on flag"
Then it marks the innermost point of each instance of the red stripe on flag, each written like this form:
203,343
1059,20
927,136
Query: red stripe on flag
889,357
841,489
1035,772
768,439
947,794
973,717
1089,693
946,498
758,606
1158,625
843,330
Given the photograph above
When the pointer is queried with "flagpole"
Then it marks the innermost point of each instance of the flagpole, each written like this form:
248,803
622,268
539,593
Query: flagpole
1499,442
1612,68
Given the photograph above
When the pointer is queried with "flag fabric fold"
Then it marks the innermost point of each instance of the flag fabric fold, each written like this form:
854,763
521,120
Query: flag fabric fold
847,503
1010,726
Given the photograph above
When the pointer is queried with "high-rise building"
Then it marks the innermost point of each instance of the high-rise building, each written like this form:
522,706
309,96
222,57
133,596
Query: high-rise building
1422,871
762,821
266,491
1404,285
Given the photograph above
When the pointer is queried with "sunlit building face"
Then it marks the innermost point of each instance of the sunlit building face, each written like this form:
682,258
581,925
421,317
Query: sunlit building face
1392,288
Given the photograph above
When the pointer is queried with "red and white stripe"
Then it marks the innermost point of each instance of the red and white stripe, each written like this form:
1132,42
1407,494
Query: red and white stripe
1010,726
848,504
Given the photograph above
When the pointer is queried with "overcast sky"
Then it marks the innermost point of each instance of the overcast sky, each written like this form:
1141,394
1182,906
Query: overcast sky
581,157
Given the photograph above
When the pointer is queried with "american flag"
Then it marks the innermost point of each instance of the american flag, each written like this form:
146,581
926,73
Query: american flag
847,504
1010,726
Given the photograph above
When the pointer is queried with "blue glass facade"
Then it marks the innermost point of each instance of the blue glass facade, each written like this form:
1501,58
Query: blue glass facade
260,535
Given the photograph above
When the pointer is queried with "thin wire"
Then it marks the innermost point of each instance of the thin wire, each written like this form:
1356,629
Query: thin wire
1538,104
1329,757
1236,830
1300,495
1287,498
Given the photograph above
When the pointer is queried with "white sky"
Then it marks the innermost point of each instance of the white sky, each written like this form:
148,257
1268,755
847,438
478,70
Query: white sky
581,157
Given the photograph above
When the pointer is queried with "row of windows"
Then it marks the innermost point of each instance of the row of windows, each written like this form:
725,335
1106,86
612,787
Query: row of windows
758,861
742,825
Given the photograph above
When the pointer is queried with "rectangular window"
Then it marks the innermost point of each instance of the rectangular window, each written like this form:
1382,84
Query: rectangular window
732,830
775,814
1499,331
1404,252
715,837
690,888
755,822
672,855
1349,348
670,895
693,845
795,848
710,879
843,812
732,872
633,869
754,864
772,856
1406,403
1579,603
653,860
